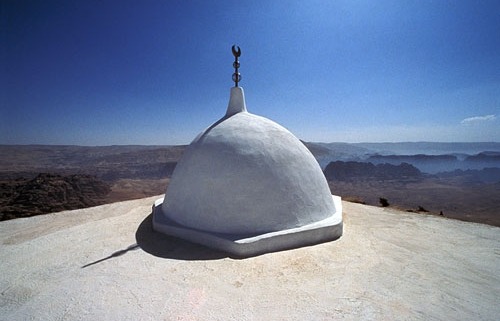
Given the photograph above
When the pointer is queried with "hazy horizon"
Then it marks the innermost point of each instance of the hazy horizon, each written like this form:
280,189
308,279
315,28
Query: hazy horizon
313,142
94,73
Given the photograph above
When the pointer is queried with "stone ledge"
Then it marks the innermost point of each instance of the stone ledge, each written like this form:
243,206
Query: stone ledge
250,245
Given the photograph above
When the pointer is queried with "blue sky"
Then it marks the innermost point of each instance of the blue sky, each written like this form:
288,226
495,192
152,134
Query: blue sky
158,72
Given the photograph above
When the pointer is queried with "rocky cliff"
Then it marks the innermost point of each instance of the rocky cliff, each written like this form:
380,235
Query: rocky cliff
346,171
48,193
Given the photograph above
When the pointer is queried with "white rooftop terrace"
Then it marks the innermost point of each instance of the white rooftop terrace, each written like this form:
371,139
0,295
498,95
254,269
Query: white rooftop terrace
106,263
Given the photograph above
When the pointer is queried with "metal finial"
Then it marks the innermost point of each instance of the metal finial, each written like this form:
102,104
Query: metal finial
236,64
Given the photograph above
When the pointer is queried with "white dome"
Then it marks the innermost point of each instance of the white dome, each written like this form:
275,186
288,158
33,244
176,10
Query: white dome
246,175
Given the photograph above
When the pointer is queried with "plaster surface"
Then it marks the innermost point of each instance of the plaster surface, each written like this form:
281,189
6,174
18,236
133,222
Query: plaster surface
245,245
246,174
106,263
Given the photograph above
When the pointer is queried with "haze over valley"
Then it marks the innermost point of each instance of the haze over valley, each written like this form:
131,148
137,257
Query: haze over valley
456,180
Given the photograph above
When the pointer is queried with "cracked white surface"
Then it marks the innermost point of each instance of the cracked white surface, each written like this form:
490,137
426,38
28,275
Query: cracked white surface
388,265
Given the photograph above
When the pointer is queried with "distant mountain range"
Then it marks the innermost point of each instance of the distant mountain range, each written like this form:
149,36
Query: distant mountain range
427,157
429,148
108,163
461,180
352,171
131,161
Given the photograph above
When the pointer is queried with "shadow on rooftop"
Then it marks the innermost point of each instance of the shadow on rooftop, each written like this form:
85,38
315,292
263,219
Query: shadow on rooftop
164,246
113,255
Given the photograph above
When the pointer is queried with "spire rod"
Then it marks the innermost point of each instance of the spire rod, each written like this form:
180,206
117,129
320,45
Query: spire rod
236,64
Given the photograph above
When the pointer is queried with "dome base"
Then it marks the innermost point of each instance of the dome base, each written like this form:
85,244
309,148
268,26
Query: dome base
325,230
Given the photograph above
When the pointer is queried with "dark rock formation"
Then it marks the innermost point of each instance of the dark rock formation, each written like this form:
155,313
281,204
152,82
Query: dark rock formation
346,171
473,176
48,193
425,163
484,159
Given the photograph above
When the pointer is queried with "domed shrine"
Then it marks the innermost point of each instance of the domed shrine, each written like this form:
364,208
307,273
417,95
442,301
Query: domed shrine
248,186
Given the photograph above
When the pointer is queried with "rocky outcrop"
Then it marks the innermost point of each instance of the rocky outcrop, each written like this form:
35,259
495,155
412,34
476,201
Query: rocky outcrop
49,193
473,176
425,163
346,171
484,159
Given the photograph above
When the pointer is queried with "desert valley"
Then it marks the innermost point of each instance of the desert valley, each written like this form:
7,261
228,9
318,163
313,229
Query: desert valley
455,180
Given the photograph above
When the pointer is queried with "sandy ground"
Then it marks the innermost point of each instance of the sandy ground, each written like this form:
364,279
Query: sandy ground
106,263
